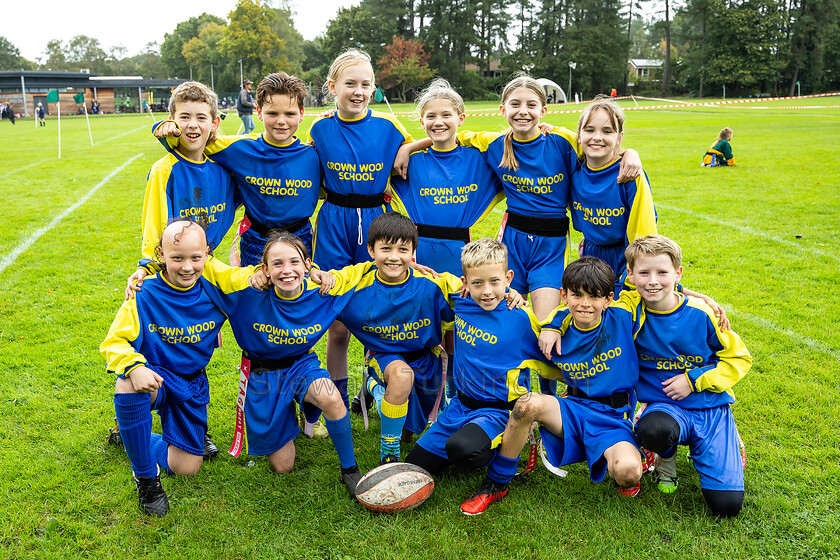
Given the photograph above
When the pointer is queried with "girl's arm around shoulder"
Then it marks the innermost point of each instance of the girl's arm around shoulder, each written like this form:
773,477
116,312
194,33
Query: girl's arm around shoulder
227,278
641,220
351,277
480,140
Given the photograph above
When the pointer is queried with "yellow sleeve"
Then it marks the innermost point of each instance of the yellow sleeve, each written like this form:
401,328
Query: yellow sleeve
642,218
352,277
541,366
570,136
119,354
227,278
734,360
406,136
480,140
155,205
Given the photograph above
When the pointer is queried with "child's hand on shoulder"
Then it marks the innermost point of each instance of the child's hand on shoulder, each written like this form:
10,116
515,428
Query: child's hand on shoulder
546,128
258,280
630,166
145,380
167,128
323,279
328,114
548,341
422,268
677,388
515,299
135,283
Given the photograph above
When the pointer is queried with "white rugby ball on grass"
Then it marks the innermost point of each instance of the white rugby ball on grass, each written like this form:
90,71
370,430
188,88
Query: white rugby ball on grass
394,487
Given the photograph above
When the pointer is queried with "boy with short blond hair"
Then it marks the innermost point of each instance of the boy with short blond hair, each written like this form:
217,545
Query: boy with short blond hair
495,350
688,367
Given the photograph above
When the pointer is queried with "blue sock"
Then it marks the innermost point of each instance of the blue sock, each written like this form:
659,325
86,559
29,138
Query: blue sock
548,386
311,412
161,450
341,385
341,435
501,469
377,390
392,417
134,415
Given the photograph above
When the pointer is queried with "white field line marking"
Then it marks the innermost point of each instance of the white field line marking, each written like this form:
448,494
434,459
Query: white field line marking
11,257
809,342
22,168
122,134
750,231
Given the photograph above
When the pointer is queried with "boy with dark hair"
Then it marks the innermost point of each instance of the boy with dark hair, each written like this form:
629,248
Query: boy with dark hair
592,422
688,366
495,350
398,314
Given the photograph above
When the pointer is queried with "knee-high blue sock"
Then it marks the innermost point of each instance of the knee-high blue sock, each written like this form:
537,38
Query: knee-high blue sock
548,386
392,417
341,385
161,451
502,469
341,435
310,412
134,415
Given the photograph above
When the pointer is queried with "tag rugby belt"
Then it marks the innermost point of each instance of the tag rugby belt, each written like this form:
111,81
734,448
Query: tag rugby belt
261,366
264,230
352,200
535,225
475,404
616,400
444,232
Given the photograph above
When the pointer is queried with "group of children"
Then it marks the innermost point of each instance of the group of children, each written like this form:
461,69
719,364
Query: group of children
279,304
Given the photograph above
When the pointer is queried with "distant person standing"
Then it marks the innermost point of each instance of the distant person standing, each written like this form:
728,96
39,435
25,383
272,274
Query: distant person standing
40,112
245,106
10,111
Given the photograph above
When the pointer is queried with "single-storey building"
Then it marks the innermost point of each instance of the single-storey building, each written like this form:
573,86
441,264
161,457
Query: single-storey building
115,94
644,69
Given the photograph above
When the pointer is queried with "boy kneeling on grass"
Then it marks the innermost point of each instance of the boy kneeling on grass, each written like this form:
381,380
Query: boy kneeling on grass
593,421
158,346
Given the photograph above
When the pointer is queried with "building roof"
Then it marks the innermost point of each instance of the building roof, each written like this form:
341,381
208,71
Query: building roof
78,80
646,63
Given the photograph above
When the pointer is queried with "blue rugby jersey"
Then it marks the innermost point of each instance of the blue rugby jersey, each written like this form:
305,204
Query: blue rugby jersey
357,156
541,185
608,212
455,188
402,317
180,188
279,184
496,350
600,360
687,340
167,326
270,326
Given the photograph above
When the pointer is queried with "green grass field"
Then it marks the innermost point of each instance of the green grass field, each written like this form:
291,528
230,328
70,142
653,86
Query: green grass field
762,238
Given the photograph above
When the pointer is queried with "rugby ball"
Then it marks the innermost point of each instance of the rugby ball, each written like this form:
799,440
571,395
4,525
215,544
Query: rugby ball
394,487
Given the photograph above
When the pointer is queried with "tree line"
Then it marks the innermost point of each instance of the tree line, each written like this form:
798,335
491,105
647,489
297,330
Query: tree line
749,46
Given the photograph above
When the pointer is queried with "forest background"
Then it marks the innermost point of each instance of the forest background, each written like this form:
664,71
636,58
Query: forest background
752,47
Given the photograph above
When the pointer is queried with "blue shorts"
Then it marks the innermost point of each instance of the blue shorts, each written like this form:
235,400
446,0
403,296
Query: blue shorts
182,407
589,429
443,255
712,437
428,377
536,261
613,255
341,235
251,245
454,417
270,419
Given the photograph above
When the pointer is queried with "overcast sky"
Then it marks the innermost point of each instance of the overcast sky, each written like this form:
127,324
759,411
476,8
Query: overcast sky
138,23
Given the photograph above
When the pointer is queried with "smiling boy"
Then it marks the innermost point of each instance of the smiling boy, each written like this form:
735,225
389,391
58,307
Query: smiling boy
278,177
398,314
592,422
495,350
687,369
158,346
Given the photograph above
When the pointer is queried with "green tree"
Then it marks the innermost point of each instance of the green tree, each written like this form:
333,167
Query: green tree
449,37
492,23
171,51
86,52
9,55
405,66
249,38
358,27
202,52
811,25
282,24
56,59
